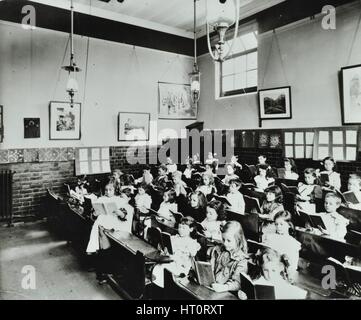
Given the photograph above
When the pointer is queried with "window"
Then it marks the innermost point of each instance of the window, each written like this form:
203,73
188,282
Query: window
239,73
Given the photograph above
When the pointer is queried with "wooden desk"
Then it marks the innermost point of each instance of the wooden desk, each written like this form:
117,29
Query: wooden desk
321,246
77,227
126,260
182,289
130,242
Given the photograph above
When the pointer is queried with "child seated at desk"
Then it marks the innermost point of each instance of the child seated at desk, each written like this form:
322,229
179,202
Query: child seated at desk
264,178
184,248
270,207
354,185
189,169
143,200
336,224
334,180
230,174
172,167
214,220
211,168
273,270
115,179
229,259
207,188
273,203
234,197
161,182
178,184
120,219
196,207
262,161
283,242
290,169
146,178
306,197
168,206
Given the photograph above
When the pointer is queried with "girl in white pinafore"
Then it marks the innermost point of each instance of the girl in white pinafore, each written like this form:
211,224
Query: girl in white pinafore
120,219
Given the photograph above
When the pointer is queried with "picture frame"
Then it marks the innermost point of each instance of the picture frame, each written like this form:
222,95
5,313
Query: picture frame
275,103
351,95
1,124
64,121
31,128
133,126
175,102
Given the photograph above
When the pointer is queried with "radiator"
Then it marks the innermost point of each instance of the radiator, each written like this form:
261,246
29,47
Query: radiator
6,195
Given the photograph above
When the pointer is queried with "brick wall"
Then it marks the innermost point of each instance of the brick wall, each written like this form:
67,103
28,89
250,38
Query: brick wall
33,178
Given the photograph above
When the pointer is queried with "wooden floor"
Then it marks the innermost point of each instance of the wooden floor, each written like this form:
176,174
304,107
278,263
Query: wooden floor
59,274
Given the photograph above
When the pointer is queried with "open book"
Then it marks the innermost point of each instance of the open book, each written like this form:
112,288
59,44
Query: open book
324,177
167,243
257,291
312,219
290,189
205,275
104,207
350,274
350,197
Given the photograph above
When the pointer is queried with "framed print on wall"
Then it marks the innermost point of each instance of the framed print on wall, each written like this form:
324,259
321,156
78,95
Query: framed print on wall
175,101
64,121
275,103
133,126
1,124
351,95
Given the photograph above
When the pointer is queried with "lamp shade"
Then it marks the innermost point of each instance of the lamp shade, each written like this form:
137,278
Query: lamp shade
72,85
221,12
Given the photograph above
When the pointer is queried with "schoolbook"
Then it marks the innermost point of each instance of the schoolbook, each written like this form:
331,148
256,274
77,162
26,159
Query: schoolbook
167,243
222,199
104,207
281,173
289,189
312,219
257,291
205,275
350,197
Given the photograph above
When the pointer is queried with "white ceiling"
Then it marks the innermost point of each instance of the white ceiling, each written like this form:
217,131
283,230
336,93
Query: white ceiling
172,16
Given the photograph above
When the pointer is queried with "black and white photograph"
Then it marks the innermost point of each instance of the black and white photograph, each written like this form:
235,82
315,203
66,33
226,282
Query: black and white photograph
351,94
64,120
275,103
155,153
133,126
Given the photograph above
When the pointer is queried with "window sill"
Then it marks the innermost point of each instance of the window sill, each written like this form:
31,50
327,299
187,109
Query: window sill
237,95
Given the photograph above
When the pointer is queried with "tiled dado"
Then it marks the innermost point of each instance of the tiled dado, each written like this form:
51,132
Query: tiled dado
37,155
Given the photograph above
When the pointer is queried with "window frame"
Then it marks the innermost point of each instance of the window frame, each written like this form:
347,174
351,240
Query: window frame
219,75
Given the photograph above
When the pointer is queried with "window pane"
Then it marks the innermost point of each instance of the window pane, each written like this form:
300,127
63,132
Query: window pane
228,67
252,77
237,47
249,41
241,80
252,61
241,64
228,83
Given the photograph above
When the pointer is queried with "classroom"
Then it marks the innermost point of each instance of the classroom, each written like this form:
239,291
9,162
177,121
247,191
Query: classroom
180,150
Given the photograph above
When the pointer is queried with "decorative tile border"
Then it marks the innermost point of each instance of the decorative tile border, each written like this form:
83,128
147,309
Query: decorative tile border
37,155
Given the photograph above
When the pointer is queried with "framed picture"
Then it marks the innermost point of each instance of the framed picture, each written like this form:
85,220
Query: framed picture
1,124
31,128
133,126
351,95
275,103
175,101
64,121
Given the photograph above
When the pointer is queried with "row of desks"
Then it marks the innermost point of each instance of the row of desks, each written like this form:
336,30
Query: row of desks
128,249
